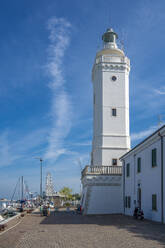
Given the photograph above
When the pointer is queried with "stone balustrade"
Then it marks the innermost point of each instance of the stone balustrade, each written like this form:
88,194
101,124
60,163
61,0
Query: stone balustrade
101,170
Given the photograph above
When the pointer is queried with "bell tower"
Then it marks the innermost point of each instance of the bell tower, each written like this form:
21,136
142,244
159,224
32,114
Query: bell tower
110,76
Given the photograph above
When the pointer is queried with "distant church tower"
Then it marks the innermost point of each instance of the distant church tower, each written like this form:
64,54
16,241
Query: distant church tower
102,180
110,78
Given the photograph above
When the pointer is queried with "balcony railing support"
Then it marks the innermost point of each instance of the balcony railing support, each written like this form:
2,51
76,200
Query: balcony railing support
102,170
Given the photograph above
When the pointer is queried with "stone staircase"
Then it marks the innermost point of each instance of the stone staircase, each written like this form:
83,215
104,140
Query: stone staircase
87,199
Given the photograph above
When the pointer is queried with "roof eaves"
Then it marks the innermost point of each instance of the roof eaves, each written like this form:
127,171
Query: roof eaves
142,142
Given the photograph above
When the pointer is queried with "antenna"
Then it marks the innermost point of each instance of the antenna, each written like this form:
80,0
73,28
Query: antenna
79,162
98,46
108,15
160,122
122,44
122,40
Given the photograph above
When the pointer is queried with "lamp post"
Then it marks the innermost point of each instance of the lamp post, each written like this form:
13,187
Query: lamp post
41,160
80,166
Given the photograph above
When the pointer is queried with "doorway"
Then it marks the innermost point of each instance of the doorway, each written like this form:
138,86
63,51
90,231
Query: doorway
139,194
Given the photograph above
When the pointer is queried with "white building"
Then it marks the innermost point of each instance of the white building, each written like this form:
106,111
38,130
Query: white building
49,185
102,192
144,177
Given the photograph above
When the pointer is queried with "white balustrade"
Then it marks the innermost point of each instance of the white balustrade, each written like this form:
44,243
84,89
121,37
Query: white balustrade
102,170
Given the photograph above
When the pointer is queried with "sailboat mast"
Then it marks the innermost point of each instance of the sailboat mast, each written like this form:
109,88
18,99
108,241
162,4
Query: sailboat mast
22,187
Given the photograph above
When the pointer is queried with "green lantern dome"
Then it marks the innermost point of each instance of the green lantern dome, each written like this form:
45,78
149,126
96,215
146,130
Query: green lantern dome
109,44
109,36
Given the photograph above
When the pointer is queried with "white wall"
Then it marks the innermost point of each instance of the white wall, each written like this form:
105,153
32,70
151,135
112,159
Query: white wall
149,180
105,200
102,194
111,134
164,176
83,197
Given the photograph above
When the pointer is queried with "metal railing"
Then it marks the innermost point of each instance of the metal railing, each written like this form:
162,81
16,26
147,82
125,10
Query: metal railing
118,59
102,170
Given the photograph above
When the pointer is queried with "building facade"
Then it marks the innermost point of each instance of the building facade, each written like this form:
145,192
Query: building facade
101,180
144,177
49,185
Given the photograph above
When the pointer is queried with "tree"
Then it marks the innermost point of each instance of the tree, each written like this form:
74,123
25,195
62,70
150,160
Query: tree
67,192
76,196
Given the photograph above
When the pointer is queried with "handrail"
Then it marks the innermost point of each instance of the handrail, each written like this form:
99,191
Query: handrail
102,170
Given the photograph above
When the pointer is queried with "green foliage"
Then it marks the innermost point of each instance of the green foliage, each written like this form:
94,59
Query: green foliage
76,196
66,192
67,204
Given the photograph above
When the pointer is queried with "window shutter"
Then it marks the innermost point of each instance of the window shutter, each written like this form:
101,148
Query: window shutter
139,165
126,205
129,202
128,170
114,112
154,202
154,157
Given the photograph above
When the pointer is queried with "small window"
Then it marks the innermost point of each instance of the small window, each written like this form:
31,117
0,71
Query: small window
129,202
154,162
114,161
128,170
114,78
138,165
126,202
154,202
94,98
114,112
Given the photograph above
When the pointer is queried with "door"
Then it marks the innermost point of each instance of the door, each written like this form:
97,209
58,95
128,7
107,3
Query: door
139,197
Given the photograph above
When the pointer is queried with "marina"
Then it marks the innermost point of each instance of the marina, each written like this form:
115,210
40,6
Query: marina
12,208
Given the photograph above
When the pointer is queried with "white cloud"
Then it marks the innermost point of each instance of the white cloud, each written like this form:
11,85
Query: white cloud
160,91
83,143
59,40
143,134
5,150
61,109
14,148
82,160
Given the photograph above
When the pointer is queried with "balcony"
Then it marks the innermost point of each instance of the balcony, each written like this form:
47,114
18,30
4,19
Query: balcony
101,170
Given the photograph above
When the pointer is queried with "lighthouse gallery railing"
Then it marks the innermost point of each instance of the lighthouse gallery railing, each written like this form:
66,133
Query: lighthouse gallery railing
102,170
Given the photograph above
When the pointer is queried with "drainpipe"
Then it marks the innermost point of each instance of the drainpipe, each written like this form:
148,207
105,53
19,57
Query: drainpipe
134,171
124,185
162,182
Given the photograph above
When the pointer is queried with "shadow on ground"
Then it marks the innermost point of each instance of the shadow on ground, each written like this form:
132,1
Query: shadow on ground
144,229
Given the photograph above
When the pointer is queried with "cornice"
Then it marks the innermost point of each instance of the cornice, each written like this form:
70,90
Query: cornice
103,184
112,147
145,143
102,180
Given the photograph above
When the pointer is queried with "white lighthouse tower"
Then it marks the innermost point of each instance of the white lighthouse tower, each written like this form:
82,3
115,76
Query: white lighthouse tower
110,78
102,179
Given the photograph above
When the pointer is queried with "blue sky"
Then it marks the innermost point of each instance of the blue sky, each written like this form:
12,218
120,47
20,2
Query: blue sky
47,49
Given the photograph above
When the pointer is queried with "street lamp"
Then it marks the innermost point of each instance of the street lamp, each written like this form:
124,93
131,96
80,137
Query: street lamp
41,160
81,168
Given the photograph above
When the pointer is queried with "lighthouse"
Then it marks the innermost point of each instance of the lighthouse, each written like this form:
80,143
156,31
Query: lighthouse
110,76
102,179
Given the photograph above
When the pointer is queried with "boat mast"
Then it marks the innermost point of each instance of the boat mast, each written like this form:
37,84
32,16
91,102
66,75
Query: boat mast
22,188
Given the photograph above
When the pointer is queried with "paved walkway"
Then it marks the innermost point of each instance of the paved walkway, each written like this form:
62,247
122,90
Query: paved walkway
68,230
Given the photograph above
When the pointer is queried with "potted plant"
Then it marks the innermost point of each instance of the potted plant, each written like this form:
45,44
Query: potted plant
67,206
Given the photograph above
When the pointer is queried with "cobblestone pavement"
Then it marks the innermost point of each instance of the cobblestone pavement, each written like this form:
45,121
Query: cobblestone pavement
68,230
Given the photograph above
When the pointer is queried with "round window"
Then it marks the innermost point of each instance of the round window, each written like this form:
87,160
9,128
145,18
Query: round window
114,78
